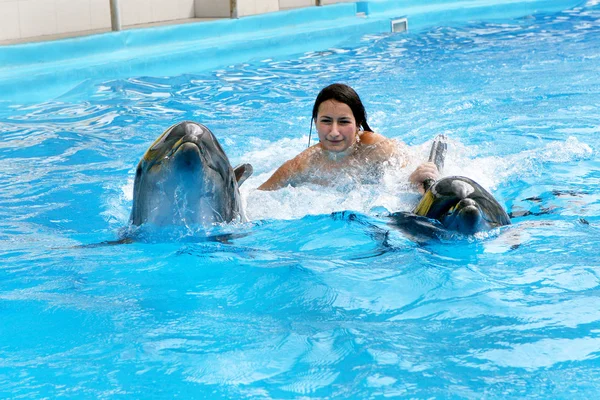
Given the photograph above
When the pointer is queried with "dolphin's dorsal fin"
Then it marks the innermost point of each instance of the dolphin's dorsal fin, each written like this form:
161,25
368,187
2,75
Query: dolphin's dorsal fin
242,172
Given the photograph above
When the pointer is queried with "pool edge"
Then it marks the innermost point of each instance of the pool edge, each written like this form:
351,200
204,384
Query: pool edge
42,71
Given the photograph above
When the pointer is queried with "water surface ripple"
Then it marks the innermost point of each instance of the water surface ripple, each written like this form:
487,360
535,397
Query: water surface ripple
317,296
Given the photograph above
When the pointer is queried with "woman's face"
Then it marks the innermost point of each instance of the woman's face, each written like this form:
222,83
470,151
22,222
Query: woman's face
336,126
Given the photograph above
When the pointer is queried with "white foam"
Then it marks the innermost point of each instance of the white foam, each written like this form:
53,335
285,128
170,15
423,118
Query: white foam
118,207
394,193
570,150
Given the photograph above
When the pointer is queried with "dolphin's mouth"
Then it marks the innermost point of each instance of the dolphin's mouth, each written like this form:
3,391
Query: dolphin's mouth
191,155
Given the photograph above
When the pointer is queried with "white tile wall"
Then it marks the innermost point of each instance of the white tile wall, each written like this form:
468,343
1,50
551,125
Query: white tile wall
99,14
266,6
164,11
27,18
37,17
143,11
284,4
326,2
72,17
245,7
9,20
186,9
134,12
212,8
251,7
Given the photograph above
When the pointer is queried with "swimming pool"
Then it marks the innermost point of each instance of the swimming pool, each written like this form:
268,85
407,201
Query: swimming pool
317,296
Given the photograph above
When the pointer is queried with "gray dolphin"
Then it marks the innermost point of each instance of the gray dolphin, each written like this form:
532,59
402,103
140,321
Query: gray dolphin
462,205
185,178
454,203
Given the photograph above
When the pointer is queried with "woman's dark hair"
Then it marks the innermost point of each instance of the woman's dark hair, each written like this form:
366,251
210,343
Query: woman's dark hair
344,94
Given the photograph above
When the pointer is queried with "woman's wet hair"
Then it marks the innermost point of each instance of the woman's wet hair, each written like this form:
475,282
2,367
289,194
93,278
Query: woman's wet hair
343,94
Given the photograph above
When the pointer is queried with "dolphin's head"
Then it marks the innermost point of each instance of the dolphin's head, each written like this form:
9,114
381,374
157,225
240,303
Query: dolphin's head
185,178
462,205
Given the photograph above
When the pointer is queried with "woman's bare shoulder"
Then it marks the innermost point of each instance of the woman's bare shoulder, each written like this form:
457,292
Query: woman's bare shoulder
371,141
380,148
305,158
368,138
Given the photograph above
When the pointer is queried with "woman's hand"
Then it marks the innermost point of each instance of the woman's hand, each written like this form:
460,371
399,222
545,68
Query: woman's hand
424,172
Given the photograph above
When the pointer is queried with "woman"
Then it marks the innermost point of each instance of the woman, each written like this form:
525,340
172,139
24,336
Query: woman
347,146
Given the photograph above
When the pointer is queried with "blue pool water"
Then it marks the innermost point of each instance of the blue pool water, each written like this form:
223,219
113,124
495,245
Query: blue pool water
316,296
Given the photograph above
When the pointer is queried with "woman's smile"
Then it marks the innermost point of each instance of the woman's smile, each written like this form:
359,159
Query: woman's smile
336,126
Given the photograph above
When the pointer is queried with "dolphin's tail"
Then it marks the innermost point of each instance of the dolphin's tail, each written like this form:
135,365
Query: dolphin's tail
437,155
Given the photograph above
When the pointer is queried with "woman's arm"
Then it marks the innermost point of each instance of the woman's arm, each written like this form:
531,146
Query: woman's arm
281,177
290,170
383,149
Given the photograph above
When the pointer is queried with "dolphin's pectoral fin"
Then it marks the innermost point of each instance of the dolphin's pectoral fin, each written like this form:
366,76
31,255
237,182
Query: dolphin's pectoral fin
125,240
243,172
418,228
